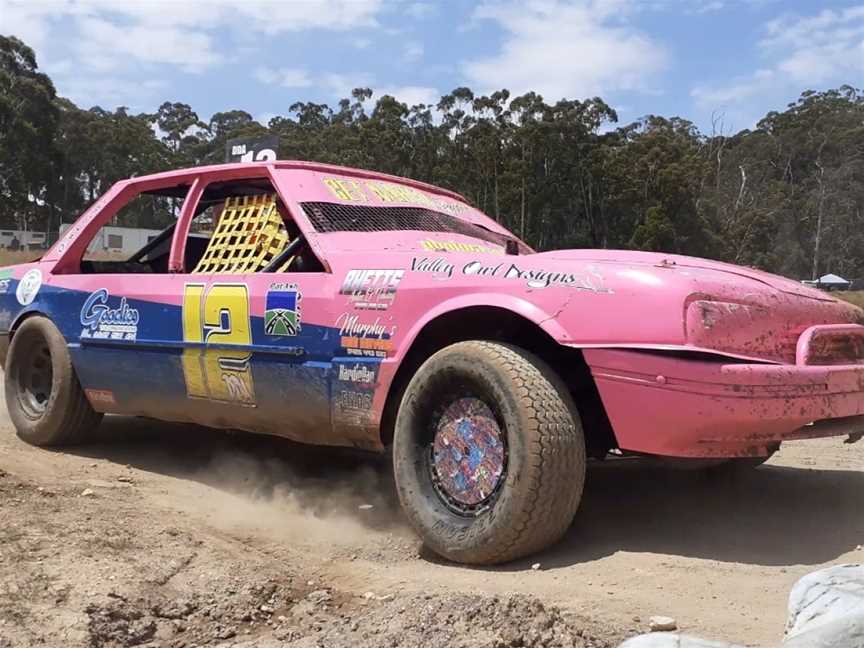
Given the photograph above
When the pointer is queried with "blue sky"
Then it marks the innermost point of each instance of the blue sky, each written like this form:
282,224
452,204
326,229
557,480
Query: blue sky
700,59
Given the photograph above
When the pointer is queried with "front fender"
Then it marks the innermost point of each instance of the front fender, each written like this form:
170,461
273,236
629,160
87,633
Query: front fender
545,319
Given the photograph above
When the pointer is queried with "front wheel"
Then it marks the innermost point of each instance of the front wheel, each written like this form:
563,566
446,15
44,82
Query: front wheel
488,453
44,399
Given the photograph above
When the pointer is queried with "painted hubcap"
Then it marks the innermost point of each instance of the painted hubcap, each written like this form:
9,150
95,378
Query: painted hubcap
468,455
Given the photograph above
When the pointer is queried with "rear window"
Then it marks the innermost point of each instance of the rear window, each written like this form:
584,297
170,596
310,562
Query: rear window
333,217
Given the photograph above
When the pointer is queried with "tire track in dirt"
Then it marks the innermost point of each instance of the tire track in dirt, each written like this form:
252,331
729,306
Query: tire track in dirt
226,512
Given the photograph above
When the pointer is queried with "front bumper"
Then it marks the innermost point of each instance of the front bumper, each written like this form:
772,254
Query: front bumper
688,407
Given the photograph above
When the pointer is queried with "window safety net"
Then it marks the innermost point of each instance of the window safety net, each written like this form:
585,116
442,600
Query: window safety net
249,234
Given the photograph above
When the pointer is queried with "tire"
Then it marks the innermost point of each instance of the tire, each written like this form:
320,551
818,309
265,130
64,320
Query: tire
538,445
43,396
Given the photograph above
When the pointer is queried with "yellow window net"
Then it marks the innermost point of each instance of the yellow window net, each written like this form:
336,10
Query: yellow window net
249,234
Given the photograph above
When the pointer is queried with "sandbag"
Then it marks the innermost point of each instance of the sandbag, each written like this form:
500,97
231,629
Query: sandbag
673,640
826,609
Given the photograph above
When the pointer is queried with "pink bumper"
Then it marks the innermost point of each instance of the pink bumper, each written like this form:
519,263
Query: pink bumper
702,408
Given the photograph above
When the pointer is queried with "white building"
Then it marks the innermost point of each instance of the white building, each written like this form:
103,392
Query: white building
829,282
121,241
22,240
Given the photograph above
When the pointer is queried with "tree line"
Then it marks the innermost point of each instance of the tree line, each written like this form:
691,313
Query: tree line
786,196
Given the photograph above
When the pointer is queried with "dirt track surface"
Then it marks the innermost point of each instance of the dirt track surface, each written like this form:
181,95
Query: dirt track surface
171,535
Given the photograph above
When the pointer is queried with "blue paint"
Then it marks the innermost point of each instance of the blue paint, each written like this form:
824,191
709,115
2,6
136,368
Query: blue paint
293,375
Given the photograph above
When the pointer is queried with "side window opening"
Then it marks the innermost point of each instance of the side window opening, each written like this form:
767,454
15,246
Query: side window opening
239,226
243,227
137,239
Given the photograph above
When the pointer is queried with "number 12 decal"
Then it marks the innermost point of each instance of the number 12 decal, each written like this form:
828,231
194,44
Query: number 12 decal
218,316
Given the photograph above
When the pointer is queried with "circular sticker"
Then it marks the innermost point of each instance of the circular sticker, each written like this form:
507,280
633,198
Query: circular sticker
28,287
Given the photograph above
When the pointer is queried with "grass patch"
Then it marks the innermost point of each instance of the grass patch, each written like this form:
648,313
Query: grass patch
11,257
853,296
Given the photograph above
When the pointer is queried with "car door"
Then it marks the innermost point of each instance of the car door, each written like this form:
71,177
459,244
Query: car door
120,319
257,346
257,352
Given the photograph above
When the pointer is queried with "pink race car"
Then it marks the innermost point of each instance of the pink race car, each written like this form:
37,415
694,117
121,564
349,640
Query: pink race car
344,307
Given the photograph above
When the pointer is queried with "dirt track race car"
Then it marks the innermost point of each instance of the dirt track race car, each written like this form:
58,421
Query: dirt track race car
342,307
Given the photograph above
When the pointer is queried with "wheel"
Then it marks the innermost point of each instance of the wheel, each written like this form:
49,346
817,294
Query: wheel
488,453
44,399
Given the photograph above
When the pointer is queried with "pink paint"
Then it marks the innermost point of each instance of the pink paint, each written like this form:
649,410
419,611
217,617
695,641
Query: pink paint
691,357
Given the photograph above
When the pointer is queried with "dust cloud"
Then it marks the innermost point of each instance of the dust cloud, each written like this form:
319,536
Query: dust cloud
301,494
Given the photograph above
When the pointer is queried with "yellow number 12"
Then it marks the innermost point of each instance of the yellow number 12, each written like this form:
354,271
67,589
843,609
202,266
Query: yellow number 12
218,316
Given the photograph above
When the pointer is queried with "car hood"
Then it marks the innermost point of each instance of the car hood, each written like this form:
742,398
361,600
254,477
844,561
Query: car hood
667,301
664,262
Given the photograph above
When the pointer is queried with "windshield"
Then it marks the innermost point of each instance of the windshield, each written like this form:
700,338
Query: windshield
335,217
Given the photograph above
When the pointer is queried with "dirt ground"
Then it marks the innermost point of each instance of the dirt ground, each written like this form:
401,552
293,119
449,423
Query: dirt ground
171,535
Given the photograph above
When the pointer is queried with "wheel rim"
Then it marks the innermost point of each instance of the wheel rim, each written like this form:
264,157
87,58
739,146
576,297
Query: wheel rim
468,456
36,378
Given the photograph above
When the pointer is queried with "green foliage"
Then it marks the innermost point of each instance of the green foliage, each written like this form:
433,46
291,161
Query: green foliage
28,121
787,196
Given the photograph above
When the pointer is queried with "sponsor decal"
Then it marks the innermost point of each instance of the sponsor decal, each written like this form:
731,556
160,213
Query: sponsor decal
389,192
344,189
100,396
102,322
4,286
360,373
282,309
353,409
29,287
355,401
458,246
592,281
368,339
438,268
371,289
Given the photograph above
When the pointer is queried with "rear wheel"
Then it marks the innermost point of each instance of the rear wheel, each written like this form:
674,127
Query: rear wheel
43,396
489,456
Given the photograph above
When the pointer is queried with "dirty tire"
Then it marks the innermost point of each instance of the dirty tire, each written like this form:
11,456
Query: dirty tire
541,486
43,396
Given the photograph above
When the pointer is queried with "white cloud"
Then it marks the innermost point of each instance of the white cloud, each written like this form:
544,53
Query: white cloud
285,77
300,15
801,52
740,89
823,27
117,41
265,117
109,92
341,85
29,21
705,6
566,49
412,52
410,95
262,16
421,10
181,32
104,45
